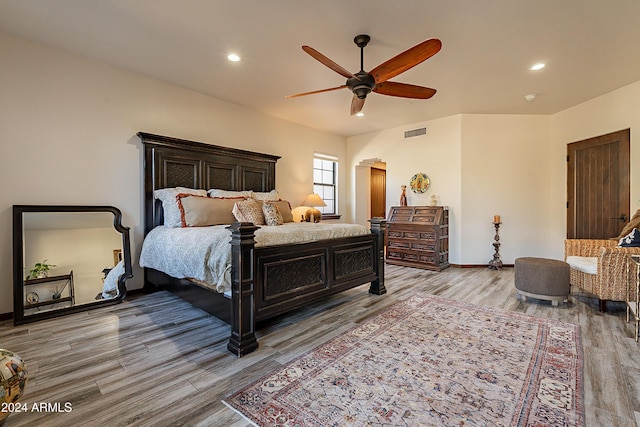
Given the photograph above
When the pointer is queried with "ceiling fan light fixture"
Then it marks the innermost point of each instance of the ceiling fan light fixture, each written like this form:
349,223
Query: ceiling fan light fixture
361,91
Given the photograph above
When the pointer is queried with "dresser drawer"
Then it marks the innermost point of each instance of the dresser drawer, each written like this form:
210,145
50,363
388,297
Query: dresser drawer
412,245
411,234
423,258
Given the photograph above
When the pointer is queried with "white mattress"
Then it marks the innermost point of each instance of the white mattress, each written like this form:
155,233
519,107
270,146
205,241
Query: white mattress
204,253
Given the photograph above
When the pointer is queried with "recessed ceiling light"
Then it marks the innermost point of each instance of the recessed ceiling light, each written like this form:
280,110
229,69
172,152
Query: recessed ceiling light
538,66
233,57
530,97
360,114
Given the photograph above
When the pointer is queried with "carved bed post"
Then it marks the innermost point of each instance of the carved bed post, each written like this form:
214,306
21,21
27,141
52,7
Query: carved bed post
243,339
378,227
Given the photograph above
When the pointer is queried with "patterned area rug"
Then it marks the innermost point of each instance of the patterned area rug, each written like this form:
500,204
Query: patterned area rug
429,361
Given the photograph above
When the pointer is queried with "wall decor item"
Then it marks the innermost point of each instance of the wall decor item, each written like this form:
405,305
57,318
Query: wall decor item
13,379
420,183
117,256
403,196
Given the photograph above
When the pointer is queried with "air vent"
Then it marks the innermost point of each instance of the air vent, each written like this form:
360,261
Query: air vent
415,132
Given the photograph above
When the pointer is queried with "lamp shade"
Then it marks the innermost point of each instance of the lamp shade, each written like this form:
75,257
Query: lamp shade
313,200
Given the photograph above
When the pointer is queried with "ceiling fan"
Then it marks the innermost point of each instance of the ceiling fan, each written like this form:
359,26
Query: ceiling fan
377,80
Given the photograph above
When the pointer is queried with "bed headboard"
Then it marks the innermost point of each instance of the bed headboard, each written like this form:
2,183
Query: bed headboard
171,162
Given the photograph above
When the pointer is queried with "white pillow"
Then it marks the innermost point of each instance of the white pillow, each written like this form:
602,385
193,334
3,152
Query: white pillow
268,196
216,192
168,197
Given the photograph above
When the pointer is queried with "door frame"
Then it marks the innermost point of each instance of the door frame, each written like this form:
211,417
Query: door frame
624,177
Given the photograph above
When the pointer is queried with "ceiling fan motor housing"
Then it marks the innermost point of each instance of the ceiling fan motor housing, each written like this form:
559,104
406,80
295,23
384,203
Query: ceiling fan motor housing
362,84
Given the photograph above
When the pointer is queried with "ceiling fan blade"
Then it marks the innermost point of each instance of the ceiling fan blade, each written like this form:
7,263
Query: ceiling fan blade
329,63
356,104
406,60
316,91
404,90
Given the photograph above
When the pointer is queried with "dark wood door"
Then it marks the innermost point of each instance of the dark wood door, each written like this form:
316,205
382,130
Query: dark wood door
378,192
598,196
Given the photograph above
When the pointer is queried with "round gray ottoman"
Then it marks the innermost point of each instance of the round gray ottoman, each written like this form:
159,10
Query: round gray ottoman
542,278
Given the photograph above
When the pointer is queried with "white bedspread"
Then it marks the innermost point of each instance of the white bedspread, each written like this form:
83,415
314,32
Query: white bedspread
204,253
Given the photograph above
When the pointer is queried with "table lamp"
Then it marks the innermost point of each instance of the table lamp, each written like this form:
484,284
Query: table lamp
313,200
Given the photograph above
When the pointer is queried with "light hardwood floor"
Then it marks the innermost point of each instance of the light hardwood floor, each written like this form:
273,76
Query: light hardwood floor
154,360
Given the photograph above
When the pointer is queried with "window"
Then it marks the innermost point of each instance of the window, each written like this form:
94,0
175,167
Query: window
325,179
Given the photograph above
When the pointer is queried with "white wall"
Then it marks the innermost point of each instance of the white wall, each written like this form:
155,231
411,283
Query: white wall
506,171
479,166
508,165
437,154
612,112
67,136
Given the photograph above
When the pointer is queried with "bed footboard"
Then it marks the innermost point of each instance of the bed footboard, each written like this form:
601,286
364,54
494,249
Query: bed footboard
267,281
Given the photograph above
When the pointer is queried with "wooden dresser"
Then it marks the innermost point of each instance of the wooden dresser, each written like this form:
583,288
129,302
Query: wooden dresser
418,236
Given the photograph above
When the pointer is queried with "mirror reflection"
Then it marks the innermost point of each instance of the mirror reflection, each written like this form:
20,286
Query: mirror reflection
70,258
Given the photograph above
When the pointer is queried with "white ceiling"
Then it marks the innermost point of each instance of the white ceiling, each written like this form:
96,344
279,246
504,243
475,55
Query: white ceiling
591,47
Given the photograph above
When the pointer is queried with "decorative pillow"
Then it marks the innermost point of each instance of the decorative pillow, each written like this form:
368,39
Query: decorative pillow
202,211
272,214
634,222
631,240
249,211
270,195
284,207
169,201
216,192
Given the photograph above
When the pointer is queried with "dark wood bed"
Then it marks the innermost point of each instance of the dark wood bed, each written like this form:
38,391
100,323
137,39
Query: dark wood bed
265,281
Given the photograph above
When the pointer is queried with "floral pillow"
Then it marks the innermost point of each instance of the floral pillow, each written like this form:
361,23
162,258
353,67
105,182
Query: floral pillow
272,214
249,211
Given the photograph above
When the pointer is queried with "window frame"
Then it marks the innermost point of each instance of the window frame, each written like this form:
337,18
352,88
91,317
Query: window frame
332,185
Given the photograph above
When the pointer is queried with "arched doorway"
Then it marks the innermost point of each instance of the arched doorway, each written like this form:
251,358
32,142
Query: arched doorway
370,190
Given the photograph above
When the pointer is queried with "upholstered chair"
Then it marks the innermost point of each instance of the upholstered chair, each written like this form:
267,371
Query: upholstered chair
599,267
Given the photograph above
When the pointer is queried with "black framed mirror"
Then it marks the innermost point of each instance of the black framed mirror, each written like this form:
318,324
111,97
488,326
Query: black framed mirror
67,259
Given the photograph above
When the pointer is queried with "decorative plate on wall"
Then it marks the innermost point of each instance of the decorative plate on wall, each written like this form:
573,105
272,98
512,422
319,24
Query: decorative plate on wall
419,183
